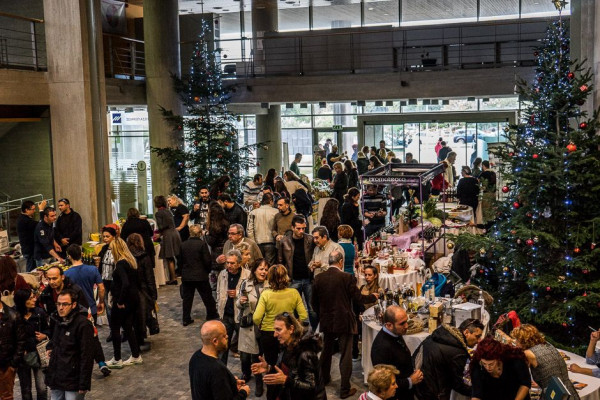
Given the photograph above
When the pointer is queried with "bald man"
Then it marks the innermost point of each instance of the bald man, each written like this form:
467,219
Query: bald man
389,348
209,377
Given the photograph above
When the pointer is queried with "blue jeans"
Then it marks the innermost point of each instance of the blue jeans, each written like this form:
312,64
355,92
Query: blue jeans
64,395
25,374
30,262
304,287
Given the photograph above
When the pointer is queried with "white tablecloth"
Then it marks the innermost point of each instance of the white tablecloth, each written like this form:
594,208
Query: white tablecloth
370,329
592,390
410,276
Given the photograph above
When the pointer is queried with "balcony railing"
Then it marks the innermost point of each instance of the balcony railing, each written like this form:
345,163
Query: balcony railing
22,43
123,57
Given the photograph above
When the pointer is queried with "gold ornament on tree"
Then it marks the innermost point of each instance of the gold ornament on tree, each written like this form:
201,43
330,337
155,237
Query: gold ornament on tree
559,4
450,245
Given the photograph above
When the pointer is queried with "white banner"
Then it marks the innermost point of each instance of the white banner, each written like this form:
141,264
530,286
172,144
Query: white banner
113,17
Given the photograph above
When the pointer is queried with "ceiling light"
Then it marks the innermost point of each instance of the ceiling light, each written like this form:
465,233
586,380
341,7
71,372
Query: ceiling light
370,8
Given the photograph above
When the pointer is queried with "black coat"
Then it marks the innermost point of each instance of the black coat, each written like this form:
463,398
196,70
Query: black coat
196,260
304,373
390,350
333,293
68,226
145,272
351,216
467,192
26,231
12,337
37,322
444,356
141,226
125,287
340,186
362,165
72,357
237,215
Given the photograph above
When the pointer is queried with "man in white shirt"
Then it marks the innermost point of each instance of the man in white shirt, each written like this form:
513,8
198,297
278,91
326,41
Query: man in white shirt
261,223
325,246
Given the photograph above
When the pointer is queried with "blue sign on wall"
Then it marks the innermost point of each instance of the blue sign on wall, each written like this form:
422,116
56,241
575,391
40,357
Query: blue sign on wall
116,118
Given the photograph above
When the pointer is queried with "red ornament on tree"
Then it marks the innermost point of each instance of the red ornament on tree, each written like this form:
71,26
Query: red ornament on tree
570,75
516,204
505,189
511,154
196,99
548,288
179,127
195,143
535,156
571,147
226,143
583,88
529,242
583,125
564,324
219,155
585,271
577,250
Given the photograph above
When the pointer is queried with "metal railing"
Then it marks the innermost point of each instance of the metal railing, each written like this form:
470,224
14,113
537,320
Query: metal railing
11,208
22,43
123,57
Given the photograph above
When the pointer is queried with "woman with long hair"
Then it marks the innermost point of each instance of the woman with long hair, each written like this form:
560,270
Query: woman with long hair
217,226
136,224
270,178
370,286
106,265
467,189
345,234
297,374
330,218
350,215
170,245
148,293
36,329
543,358
219,186
499,371
125,303
10,280
340,182
247,300
352,173
374,163
181,216
277,299
293,182
281,190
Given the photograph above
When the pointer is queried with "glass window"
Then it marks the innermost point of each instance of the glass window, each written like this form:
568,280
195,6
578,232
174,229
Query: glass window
296,122
293,19
494,9
344,15
129,144
381,12
299,141
499,103
438,11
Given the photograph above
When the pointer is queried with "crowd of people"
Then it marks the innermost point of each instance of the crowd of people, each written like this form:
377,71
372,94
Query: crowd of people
266,282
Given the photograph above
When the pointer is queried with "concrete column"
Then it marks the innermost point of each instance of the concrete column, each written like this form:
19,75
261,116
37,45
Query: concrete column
585,42
161,39
268,127
78,103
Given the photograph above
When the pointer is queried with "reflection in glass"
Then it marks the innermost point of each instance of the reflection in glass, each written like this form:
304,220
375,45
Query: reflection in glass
344,15
494,9
433,11
381,12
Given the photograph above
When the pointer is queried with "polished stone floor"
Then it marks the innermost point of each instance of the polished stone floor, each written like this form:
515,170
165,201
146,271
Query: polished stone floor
164,373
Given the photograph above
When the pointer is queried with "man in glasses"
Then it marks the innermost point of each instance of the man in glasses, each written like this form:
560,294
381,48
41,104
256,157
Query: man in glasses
389,348
235,237
295,251
71,349
68,226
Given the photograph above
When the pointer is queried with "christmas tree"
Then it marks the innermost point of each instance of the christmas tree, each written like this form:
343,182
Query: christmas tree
211,144
540,256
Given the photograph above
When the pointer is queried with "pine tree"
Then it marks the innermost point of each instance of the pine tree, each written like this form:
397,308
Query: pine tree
543,244
211,144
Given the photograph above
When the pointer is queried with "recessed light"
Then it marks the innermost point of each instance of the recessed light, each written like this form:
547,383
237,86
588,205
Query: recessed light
370,8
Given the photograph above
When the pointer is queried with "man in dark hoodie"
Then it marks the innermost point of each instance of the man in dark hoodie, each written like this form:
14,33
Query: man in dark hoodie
443,357
71,349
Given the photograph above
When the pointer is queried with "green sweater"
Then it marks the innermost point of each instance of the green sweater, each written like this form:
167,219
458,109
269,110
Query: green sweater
273,303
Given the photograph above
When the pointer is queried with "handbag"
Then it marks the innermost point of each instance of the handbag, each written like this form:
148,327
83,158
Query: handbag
32,359
41,352
246,320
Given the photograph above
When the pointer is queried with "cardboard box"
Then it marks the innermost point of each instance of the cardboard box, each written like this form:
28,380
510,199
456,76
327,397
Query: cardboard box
436,309
465,311
434,323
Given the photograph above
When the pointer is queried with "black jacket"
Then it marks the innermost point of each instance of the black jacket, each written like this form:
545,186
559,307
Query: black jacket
125,287
26,231
141,226
237,215
72,357
68,226
37,322
444,356
390,350
351,216
304,374
362,165
340,186
48,303
43,240
285,251
195,259
146,278
12,337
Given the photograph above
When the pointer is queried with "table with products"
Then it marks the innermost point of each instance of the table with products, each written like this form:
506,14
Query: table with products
393,280
592,390
370,329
